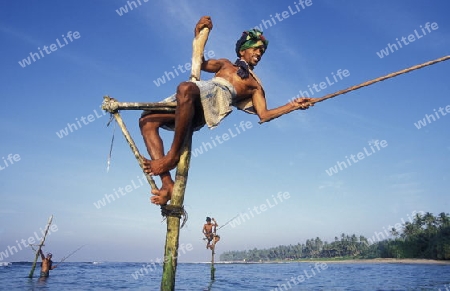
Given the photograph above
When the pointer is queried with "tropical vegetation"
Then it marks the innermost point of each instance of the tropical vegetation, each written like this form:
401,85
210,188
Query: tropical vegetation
426,237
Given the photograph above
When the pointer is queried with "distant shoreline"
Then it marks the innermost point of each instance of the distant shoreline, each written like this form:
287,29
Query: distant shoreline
390,261
351,261
328,261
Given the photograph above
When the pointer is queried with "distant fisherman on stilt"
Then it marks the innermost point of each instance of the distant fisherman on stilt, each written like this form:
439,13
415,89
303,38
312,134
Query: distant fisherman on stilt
209,230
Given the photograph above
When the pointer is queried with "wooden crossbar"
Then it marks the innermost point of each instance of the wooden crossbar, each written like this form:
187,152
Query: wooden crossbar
112,105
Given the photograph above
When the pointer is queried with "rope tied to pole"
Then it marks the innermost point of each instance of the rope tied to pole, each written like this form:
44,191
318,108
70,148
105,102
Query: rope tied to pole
174,211
112,142
110,105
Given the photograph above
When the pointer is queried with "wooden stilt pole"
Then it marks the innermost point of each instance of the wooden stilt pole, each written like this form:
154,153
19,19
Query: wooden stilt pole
176,202
173,220
216,239
33,266
213,269
174,210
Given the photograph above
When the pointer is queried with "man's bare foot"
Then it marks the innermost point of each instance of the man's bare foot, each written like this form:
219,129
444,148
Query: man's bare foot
159,166
163,195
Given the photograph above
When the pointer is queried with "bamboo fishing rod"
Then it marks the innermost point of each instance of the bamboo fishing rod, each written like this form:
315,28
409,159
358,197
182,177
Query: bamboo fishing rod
228,222
69,255
373,81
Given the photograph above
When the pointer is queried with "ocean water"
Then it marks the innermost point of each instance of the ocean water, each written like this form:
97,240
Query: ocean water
196,276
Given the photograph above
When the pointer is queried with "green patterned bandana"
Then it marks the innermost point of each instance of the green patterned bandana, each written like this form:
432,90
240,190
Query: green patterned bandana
249,39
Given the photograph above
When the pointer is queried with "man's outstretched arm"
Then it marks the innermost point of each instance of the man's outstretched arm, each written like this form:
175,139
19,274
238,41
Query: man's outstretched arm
42,254
265,115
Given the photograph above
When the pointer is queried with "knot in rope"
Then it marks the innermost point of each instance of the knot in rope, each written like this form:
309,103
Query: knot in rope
110,104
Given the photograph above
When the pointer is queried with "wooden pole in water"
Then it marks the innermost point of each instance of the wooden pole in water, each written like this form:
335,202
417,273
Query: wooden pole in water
33,266
176,202
216,239
173,221
213,270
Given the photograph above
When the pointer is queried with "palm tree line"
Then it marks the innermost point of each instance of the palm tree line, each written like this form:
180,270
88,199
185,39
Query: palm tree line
426,236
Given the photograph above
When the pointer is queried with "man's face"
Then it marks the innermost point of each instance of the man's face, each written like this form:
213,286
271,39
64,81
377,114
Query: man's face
252,55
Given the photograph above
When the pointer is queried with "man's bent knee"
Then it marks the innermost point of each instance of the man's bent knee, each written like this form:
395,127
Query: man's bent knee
188,88
148,122
142,122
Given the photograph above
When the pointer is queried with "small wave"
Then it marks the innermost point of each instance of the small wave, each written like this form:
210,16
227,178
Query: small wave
5,264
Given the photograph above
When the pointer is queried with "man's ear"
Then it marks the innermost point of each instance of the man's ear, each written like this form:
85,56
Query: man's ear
241,53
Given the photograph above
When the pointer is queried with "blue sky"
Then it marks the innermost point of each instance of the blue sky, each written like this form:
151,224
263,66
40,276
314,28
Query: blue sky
52,173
